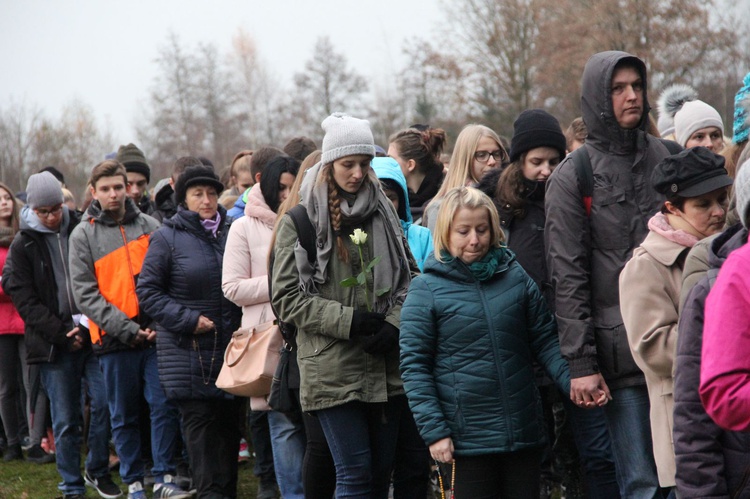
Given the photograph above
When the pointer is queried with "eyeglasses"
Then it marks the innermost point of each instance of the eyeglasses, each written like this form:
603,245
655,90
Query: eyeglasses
484,156
43,213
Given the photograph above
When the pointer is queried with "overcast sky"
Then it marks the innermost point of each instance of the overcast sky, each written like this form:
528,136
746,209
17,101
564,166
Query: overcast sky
103,51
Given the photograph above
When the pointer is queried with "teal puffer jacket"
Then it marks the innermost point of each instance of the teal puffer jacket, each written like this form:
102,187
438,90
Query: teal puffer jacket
466,356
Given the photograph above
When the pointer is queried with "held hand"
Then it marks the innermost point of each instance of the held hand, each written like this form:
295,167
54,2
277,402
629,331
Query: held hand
383,342
205,325
77,340
141,336
442,450
151,335
589,391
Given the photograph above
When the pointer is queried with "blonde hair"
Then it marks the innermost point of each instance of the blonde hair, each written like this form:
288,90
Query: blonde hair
460,169
472,199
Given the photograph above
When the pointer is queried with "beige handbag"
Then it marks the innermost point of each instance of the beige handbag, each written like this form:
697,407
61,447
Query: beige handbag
250,360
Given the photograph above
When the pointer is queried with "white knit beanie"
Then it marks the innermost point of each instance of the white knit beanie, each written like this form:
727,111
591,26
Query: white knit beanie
346,136
742,192
43,189
693,116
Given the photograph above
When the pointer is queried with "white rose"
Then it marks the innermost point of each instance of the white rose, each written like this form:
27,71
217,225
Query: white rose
359,237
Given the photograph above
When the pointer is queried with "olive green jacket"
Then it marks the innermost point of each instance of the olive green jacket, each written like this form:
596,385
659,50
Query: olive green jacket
333,369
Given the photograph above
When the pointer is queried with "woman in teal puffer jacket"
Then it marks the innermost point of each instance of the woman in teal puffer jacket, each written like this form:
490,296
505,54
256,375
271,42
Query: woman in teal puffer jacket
471,327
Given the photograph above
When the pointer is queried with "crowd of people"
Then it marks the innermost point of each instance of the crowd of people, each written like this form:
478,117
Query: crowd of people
527,318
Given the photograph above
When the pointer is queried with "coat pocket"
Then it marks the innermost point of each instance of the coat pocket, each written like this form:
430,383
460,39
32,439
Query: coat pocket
610,223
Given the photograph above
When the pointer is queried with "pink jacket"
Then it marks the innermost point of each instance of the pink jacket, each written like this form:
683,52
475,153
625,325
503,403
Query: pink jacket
725,368
244,278
10,321
245,273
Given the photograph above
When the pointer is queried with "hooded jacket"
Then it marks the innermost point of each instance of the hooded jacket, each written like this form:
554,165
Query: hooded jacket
10,321
165,204
711,462
238,210
419,238
467,348
585,253
105,261
32,278
245,273
180,281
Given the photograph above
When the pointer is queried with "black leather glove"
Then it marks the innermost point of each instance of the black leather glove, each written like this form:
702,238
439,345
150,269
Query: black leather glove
365,323
383,342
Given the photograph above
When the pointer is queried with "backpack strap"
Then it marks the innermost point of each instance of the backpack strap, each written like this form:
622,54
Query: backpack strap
585,172
306,237
305,231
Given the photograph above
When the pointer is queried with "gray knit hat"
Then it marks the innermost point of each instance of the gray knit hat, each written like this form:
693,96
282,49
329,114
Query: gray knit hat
346,136
43,189
742,193
693,116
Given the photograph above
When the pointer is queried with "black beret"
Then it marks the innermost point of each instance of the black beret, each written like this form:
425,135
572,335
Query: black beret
690,173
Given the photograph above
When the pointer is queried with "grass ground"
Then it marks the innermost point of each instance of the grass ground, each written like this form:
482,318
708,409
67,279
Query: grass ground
22,480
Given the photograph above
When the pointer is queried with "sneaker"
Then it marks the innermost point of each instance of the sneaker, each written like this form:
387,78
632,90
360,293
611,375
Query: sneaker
268,491
104,485
38,455
26,443
244,455
135,491
13,453
169,489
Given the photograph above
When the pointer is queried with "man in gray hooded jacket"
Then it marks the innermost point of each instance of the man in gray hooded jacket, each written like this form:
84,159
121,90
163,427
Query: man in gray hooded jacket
586,250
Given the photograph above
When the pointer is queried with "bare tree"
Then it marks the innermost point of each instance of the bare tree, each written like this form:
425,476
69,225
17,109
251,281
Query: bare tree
327,85
18,127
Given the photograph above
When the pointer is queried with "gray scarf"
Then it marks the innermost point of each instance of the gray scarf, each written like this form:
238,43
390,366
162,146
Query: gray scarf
387,237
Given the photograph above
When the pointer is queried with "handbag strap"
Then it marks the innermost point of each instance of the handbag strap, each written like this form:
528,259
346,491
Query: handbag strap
254,330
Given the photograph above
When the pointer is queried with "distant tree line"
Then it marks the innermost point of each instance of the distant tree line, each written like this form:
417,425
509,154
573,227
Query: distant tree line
491,60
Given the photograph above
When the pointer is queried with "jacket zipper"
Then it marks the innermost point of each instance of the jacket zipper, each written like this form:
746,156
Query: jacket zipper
130,263
500,373
65,269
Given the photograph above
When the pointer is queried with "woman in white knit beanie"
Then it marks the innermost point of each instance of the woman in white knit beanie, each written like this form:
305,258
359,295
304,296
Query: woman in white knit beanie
698,124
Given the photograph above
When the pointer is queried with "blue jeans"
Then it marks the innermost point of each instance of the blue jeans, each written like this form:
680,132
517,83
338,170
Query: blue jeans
362,438
594,450
63,382
627,416
288,441
127,375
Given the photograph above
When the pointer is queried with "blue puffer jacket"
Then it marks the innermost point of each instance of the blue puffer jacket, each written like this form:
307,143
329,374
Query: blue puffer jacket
238,210
419,238
467,348
181,280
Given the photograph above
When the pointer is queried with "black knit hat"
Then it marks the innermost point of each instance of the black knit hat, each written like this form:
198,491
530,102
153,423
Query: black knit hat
536,128
693,172
196,175
134,160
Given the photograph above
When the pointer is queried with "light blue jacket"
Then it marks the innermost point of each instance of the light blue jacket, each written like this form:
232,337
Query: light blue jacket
418,237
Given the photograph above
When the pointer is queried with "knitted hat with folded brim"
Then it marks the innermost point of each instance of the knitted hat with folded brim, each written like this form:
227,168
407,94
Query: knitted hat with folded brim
536,128
693,116
196,175
346,136
134,160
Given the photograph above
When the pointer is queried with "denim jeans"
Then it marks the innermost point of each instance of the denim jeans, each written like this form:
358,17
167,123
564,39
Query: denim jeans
594,450
627,416
288,441
362,438
318,469
127,375
63,381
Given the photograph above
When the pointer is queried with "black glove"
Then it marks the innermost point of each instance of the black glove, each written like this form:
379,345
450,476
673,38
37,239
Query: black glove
385,341
365,323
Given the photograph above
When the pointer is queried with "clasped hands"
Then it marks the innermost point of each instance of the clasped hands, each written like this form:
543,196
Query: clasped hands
589,391
377,336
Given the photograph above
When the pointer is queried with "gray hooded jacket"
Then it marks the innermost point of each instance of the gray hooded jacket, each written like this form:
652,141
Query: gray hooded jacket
585,253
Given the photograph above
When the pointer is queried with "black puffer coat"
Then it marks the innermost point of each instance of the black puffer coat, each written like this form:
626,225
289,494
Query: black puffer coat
711,462
180,281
